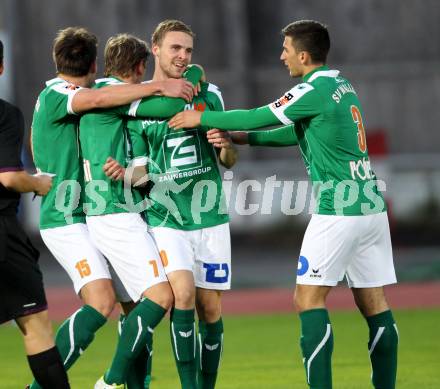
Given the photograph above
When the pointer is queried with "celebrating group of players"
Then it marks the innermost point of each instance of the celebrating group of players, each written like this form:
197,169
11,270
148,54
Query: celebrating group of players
124,234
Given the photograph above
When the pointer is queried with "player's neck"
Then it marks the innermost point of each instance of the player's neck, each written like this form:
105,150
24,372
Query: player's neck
310,68
159,74
83,81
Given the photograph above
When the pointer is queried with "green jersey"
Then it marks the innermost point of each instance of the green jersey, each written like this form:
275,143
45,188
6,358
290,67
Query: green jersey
187,189
56,151
103,134
329,130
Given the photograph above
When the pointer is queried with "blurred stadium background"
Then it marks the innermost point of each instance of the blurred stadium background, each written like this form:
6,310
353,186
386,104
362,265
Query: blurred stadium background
389,50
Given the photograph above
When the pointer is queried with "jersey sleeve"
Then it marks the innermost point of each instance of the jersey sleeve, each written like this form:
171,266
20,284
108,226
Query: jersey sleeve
59,101
240,119
278,137
11,140
215,98
163,107
300,102
138,143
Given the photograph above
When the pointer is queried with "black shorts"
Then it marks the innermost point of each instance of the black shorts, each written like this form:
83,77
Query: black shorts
21,281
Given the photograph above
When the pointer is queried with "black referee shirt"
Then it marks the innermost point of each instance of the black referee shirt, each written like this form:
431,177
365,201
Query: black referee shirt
11,140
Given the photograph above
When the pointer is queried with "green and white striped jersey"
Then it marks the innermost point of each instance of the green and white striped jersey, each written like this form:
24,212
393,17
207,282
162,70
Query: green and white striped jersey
329,129
187,192
56,150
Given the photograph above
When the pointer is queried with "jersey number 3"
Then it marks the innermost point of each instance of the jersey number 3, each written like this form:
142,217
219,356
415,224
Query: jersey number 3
357,118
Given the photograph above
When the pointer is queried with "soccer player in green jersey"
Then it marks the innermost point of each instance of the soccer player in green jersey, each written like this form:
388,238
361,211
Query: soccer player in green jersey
56,152
187,215
118,230
349,234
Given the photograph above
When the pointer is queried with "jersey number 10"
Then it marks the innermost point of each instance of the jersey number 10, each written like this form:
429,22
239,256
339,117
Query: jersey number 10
357,118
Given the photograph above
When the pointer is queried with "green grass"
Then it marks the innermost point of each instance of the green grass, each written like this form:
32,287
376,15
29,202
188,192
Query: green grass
261,352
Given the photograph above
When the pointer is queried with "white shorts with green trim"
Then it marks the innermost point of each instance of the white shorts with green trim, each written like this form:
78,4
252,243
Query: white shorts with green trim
73,249
206,252
125,241
357,247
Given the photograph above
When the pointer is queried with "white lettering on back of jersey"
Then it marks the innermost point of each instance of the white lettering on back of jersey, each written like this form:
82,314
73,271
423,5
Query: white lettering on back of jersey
341,90
361,169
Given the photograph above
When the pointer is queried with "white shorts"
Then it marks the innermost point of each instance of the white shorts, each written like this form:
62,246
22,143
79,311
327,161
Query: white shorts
206,252
125,241
358,247
73,249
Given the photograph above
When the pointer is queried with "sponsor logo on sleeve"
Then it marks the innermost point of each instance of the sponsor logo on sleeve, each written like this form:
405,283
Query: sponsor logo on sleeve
283,100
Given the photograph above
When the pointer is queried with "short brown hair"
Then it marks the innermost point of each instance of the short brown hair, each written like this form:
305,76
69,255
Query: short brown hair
122,54
74,51
168,26
310,36
1,52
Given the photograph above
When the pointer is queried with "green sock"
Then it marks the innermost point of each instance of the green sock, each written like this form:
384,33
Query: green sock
382,348
183,340
148,376
137,332
75,334
317,347
139,374
210,351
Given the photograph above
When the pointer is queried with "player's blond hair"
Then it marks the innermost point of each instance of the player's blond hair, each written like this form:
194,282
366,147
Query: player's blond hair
122,53
74,51
168,26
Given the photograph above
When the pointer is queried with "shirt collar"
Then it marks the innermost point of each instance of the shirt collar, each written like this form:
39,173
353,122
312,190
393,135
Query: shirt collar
320,71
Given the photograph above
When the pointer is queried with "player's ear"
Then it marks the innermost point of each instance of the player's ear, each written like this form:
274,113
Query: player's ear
1,68
155,50
140,68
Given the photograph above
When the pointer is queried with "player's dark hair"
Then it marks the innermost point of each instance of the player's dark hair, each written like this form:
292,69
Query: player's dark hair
310,36
74,51
122,53
1,52
168,26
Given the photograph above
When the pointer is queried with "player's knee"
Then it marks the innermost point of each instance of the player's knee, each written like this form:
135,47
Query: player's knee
209,311
184,298
161,294
103,303
301,302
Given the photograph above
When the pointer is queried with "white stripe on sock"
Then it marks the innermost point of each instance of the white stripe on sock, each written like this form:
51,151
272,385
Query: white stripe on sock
175,341
397,331
376,339
195,340
318,349
200,350
221,353
71,336
138,334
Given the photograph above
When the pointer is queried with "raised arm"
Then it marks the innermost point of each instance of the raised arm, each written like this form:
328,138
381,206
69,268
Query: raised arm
301,102
164,107
116,95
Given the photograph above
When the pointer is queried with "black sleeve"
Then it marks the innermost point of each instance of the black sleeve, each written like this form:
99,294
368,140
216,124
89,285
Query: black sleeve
11,137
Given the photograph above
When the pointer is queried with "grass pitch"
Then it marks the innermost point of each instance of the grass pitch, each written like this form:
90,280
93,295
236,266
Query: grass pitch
261,352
